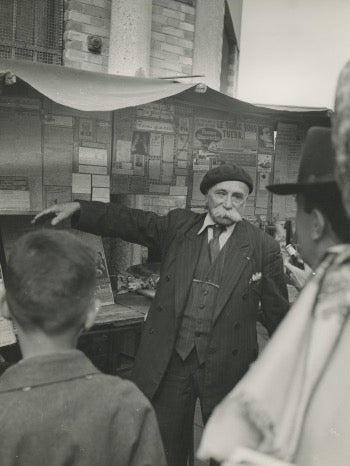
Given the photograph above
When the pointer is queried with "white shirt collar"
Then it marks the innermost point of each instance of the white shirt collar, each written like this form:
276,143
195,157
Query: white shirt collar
208,221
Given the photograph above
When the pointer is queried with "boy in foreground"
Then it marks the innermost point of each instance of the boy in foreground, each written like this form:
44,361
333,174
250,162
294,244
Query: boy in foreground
56,408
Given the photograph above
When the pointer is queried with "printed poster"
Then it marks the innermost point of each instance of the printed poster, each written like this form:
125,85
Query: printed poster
155,145
250,137
57,195
103,285
217,135
139,164
86,128
92,156
168,148
14,193
156,110
264,162
140,143
154,168
184,125
150,125
266,138
123,157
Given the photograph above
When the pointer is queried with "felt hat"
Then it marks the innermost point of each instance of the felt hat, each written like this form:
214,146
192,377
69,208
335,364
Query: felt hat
317,164
225,173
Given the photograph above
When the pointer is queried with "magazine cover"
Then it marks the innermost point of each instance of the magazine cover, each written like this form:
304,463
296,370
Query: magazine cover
103,285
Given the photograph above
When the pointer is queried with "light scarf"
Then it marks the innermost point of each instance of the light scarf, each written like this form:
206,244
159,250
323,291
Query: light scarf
273,397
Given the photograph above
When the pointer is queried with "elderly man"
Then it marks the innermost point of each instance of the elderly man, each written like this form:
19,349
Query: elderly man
291,404
217,272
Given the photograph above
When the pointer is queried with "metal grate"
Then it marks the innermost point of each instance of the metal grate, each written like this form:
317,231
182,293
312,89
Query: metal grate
32,30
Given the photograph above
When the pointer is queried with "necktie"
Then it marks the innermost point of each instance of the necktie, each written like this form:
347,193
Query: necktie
214,245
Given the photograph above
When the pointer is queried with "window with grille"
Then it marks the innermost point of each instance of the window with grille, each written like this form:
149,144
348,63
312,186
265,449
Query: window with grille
32,30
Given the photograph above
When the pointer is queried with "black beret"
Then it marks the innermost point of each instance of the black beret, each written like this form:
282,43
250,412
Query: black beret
225,173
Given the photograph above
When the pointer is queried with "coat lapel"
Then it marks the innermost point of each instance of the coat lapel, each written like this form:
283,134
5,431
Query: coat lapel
237,257
187,254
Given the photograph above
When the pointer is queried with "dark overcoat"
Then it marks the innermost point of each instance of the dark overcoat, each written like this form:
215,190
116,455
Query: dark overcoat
253,282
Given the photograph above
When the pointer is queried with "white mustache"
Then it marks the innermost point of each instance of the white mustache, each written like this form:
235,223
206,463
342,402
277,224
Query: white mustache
232,214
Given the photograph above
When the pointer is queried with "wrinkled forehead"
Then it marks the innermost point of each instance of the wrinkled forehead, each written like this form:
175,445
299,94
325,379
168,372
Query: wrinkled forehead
231,187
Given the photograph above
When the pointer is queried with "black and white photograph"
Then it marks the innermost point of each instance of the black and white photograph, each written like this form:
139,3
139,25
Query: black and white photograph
174,233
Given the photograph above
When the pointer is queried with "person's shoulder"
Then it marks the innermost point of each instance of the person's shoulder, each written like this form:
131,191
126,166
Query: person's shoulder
261,235
120,393
183,216
334,291
185,213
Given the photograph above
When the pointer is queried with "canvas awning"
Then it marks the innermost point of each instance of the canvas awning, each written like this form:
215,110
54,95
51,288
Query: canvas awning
92,91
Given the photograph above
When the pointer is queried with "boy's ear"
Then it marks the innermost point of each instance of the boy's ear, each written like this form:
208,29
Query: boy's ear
4,309
92,313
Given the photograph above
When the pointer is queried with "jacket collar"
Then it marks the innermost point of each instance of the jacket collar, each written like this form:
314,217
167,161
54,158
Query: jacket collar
208,221
237,258
46,369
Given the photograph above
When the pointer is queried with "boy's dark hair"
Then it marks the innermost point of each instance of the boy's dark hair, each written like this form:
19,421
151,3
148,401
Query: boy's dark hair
50,281
329,201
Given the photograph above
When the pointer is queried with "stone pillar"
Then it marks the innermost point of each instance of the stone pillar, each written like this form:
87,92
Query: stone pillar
130,37
208,36
129,55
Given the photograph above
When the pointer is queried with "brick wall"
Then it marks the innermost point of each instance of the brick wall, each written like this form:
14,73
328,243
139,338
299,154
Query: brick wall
172,38
84,18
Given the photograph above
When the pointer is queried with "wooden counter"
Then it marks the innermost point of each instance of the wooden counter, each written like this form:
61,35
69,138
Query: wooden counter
129,308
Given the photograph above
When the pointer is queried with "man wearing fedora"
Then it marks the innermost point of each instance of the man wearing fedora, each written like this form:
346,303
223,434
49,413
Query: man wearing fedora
303,419
217,273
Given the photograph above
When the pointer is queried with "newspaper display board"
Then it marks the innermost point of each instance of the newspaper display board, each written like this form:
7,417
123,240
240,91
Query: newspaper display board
52,154
288,153
151,149
21,156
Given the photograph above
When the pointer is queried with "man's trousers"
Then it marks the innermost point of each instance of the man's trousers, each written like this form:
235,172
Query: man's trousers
175,403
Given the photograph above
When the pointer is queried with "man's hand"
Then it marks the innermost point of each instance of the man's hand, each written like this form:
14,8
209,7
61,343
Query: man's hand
58,211
297,276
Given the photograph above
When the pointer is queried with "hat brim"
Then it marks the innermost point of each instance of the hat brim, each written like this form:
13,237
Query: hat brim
294,188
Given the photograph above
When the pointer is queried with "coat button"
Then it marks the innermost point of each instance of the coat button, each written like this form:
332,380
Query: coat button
202,306
167,278
237,326
160,308
205,292
151,330
235,352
